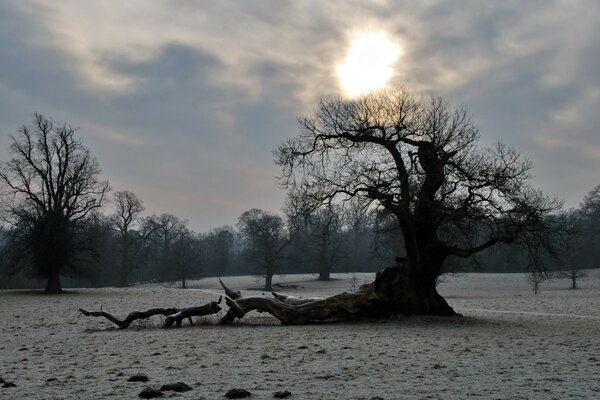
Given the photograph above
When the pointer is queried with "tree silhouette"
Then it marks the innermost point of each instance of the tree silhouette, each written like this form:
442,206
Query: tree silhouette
266,240
53,189
127,210
419,159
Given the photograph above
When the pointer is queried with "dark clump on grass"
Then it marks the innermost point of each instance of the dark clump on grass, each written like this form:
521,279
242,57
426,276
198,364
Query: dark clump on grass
138,378
150,393
282,395
175,387
237,394
8,385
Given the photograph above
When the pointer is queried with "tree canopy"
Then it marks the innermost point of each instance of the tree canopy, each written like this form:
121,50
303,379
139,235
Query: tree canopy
52,188
420,160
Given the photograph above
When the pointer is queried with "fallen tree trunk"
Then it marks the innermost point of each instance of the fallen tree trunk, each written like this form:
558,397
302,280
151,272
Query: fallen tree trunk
291,310
173,315
395,291
189,312
391,294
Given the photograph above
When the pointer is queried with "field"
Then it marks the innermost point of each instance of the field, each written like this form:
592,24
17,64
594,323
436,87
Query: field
510,344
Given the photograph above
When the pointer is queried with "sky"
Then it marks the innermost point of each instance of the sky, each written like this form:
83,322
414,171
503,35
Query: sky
182,102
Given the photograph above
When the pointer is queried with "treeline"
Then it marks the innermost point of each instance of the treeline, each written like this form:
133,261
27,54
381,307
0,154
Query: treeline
127,247
581,251
63,227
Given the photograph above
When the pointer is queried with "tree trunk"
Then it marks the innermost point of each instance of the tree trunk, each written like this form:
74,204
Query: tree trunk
53,283
269,281
324,275
410,292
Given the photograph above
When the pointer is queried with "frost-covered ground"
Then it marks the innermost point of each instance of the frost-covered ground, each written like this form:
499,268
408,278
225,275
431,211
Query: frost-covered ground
511,344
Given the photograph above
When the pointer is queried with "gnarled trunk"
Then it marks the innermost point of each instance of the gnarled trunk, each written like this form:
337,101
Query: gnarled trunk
394,292
408,292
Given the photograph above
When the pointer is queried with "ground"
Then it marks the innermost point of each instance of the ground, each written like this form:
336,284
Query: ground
511,344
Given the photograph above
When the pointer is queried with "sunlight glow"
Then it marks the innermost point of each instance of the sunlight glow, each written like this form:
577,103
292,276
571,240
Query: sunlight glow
368,64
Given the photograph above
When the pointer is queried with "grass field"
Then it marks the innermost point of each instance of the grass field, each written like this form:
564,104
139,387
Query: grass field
510,344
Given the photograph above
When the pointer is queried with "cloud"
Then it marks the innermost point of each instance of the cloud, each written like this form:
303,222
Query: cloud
183,102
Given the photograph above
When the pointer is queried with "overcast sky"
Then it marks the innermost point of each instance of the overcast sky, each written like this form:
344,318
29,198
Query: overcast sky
182,102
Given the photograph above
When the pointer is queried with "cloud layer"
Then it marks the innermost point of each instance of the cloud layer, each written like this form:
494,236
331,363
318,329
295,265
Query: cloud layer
182,102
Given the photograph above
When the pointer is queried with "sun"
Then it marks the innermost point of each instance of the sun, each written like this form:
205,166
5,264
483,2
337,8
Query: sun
369,63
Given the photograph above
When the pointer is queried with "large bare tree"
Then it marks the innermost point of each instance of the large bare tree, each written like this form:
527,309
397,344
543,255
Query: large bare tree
53,187
419,159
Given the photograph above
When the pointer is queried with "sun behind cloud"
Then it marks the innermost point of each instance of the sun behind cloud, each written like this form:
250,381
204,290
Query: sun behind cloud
369,63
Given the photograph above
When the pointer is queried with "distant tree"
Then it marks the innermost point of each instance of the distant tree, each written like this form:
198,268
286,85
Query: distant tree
588,224
166,229
360,224
53,188
573,274
127,210
266,239
536,278
220,250
421,162
318,233
187,256
95,254
590,207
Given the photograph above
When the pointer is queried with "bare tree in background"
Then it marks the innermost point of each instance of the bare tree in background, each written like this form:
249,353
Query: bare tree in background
53,187
318,233
421,162
589,229
535,279
220,249
128,208
166,231
573,274
266,238
187,256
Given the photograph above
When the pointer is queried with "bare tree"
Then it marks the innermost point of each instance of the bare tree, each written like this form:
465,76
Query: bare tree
535,279
573,274
128,208
266,240
421,162
220,249
166,231
53,188
317,233
588,223
187,255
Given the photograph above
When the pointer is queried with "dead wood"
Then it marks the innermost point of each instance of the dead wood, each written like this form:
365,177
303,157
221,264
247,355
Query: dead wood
173,315
291,310
293,300
189,312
